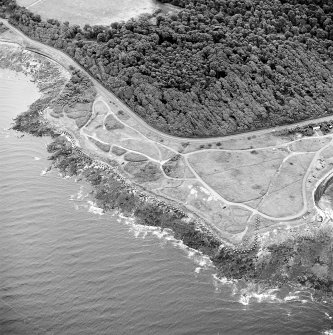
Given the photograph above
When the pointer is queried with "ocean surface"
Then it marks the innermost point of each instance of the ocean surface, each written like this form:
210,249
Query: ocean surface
92,11
67,269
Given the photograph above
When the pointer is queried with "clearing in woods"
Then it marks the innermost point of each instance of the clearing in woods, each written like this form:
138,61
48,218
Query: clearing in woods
91,11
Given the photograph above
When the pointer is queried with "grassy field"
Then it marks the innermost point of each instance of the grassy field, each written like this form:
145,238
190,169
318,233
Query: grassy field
90,11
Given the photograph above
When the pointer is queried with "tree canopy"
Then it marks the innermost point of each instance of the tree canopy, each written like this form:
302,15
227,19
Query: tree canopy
215,67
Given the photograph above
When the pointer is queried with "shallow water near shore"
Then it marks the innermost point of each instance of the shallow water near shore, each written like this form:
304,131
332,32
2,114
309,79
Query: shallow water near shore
67,269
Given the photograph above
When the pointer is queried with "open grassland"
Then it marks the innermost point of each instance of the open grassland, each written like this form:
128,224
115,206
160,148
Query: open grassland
90,11
226,187
275,178
242,177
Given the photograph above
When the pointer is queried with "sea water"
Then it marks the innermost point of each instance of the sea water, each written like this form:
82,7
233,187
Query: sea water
67,268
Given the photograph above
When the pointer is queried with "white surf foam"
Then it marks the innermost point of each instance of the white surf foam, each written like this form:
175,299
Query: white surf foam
245,295
223,280
37,158
254,293
327,332
140,231
258,296
293,297
166,236
80,195
198,257
328,316
43,172
198,269
94,209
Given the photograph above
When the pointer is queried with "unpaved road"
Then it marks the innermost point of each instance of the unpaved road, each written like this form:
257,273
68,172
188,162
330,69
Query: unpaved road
142,127
66,61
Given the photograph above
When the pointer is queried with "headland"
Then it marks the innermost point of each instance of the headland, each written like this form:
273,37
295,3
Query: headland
248,201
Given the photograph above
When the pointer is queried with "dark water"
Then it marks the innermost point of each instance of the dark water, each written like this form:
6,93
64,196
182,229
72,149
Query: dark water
65,269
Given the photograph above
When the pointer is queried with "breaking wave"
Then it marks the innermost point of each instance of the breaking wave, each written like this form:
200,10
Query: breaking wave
80,195
166,236
94,209
257,293
43,172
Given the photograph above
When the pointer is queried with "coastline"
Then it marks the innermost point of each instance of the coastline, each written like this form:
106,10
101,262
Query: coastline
111,191
70,160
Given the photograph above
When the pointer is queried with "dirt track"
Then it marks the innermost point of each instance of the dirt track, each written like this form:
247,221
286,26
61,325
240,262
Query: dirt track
227,181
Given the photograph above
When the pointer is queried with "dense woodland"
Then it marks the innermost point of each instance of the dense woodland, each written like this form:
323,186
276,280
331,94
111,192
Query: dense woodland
213,67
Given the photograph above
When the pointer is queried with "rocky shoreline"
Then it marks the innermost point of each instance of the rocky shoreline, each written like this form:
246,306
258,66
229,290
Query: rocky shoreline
299,259
303,260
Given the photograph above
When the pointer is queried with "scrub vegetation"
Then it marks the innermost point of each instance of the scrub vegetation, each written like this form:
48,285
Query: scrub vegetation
299,255
213,68
76,99
2,28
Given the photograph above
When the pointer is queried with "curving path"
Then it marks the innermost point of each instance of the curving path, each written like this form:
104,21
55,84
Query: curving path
199,178
191,185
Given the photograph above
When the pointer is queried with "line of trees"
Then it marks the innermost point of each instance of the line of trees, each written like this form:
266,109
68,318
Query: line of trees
214,67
